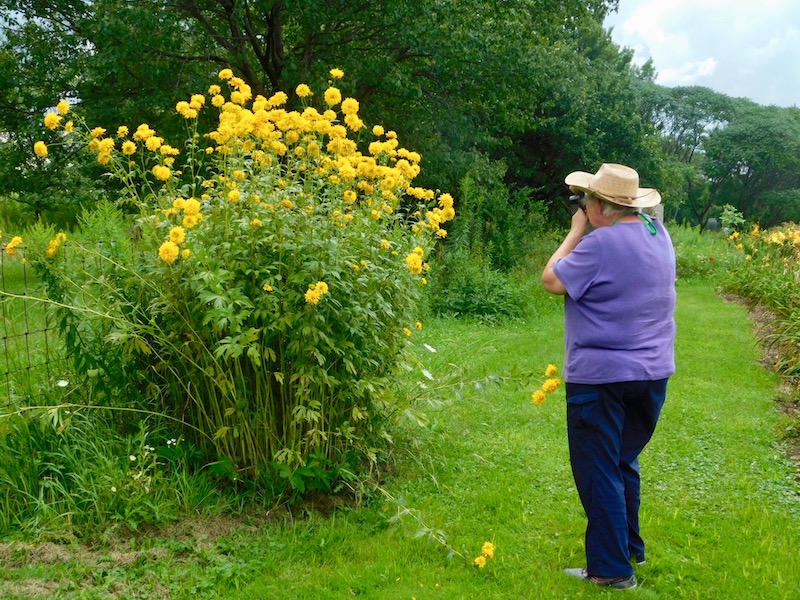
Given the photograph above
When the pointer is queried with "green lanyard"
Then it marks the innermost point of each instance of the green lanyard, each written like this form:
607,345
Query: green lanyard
648,222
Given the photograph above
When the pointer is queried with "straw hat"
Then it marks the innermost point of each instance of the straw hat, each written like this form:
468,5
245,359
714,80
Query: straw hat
616,183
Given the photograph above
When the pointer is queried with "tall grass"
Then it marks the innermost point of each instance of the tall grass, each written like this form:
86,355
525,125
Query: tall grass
31,354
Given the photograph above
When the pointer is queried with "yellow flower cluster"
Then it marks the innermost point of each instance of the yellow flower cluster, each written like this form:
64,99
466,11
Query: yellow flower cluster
487,552
550,385
786,236
170,250
189,110
414,260
256,135
55,244
11,247
316,291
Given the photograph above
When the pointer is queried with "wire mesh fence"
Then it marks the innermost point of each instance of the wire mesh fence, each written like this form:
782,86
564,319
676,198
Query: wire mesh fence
31,354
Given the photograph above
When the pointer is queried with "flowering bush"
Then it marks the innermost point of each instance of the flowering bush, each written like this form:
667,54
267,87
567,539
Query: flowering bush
765,269
268,281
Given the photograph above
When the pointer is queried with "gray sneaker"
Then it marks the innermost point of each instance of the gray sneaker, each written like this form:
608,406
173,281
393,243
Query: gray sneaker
619,583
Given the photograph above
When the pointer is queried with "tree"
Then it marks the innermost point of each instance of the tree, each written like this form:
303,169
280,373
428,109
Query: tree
753,163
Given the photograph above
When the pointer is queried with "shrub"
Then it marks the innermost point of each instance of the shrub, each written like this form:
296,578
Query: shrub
698,254
465,285
266,285
500,225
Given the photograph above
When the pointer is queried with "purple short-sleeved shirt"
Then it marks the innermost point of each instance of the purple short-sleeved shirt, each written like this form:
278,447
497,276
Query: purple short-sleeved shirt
618,312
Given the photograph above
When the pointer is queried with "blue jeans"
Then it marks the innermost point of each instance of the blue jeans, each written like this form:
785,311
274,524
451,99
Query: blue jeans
608,426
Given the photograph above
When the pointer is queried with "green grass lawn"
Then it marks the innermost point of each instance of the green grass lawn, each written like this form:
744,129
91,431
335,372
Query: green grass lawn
720,513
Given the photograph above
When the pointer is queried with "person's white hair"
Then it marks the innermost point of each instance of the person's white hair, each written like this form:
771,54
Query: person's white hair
609,209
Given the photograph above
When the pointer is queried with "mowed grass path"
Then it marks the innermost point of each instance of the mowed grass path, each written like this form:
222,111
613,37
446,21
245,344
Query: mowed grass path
720,514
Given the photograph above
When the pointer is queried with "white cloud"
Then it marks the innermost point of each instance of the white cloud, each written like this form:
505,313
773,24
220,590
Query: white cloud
737,47
687,74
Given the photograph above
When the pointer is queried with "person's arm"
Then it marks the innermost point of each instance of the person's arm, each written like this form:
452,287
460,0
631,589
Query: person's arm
550,280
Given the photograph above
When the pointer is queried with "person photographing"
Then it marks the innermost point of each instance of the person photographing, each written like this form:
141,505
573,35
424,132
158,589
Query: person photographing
619,331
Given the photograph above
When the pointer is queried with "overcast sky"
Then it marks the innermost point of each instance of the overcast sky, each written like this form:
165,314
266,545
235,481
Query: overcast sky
742,48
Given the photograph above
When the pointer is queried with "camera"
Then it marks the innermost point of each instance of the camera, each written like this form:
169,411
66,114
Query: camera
578,200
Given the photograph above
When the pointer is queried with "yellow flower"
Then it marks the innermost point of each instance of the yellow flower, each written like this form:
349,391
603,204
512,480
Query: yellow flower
122,131
414,262
287,203
98,132
418,326
40,148
316,291
234,195
353,122
55,244
190,221
333,96
143,132
214,90
69,126
218,101
225,74
349,196
488,549
385,244
377,131
350,106
128,147
407,331
185,110
185,253
177,235
550,385
161,172
480,561
550,371
11,247
337,73
303,91
153,143
267,287
255,223
168,252
62,107
51,120
538,397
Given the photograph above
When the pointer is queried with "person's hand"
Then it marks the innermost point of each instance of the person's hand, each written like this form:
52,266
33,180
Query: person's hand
579,221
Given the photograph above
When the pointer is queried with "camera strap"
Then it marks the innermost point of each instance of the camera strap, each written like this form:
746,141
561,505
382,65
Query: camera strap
648,222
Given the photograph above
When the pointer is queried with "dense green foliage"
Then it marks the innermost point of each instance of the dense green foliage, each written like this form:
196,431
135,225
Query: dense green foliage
452,76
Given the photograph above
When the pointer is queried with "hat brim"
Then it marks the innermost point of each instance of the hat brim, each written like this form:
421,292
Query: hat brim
645,197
